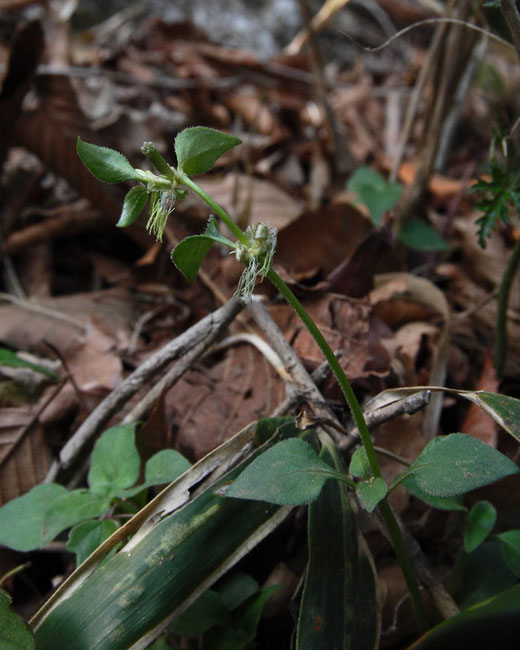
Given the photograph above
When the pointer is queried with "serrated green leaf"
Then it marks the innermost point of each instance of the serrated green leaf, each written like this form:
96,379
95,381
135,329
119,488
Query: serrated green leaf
164,467
340,605
115,461
190,252
458,463
106,164
68,510
371,492
133,205
198,148
15,634
420,236
21,520
441,503
289,473
510,543
9,358
359,465
84,538
479,523
372,189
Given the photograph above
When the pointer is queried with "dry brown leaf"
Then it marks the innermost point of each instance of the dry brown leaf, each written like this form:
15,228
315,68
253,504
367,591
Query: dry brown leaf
24,456
260,199
477,423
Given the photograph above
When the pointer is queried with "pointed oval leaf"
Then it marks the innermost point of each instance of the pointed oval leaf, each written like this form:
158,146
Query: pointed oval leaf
84,538
164,467
510,543
191,251
480,522
105,164
289,473
70,509
441,503
15,634
115,461
359,465
371,492
198,148
22,519
133,205
504,410
458,463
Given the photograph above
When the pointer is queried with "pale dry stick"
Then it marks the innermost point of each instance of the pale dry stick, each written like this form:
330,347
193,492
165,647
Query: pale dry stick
301,384
509,10
320,20
343,159
178,347
447,73
413,104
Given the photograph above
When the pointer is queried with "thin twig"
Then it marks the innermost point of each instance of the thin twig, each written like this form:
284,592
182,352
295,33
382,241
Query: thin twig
180,346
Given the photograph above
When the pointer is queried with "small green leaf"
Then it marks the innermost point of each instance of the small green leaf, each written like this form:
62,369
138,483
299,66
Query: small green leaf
9,358
68,510
458,463
15,634
372,189
133,205
504,410
371,492
480,522
106,164
359,465
205,612
249,620
510,542
441,503
289,473
198,148
420,236
164,467
22,519
115,461
84,538
236,589
189,253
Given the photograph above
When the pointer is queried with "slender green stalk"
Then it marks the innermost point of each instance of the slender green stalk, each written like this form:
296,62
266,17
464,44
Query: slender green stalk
344,383
217,209
499,353
357,413
384,507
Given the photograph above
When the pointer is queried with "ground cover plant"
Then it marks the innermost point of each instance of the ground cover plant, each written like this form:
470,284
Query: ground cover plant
190,567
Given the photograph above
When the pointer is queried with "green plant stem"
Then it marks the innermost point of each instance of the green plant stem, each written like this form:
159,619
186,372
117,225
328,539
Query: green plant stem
384,507
217,209
500,348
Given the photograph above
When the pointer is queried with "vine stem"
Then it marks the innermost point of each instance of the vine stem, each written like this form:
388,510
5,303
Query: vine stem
502,305
384,507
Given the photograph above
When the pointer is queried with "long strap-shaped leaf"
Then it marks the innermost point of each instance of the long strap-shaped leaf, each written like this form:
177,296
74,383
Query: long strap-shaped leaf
169,562
340,607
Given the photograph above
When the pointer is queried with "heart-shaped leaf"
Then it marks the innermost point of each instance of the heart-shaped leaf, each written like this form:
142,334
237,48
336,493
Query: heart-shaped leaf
289,473
370,493
106,164
133,205
190,252
420,236
458,463
198,148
